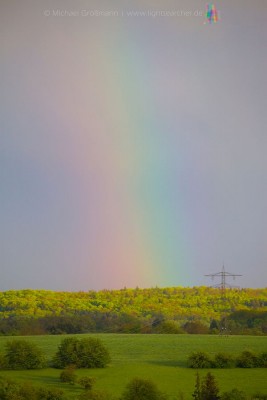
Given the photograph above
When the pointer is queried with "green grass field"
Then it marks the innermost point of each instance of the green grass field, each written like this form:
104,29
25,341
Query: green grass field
161,358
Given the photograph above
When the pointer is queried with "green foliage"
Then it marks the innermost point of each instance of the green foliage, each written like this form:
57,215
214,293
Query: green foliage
22,354
68,375
247,359
161,358
195,328
142,389
92,353
67,353
3,364
95,395
130,310
262,359
234,394
223,360
87,382
83,353
10,390
197,392
170,327
259,396
209,388
199,359
50,394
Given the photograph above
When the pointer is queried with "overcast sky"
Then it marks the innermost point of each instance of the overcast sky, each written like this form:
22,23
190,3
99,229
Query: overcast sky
132,143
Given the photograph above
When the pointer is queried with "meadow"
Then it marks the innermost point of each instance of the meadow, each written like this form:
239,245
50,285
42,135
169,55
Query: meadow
161,358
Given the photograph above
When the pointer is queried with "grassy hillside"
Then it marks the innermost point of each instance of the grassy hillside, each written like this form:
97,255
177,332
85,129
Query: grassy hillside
161,358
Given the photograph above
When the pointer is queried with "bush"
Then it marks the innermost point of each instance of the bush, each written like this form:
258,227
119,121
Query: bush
83,353
87,382
247,359
49,394
170,327
95,395
196,328
92,353
67,353
10,390
142,389
199,359
233,394
68,375
262,359
21,354
259,396
223,360
3,364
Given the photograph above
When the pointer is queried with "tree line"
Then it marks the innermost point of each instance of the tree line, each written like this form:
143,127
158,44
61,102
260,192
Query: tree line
239,322
203,302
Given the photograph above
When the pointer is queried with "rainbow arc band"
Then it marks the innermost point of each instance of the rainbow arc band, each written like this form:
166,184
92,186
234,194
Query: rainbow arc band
211,13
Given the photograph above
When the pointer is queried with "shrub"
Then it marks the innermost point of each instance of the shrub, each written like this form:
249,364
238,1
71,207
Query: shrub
142,389
50,394
233,394
92,353
95,395
199,359
21,354
67,353
7,388
223,360
170,327
247,359
87,382
259,396
83,353
3,364
10,390
262,359
196,328
68,375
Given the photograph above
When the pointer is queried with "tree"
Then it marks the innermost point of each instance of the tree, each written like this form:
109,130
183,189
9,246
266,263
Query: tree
142,389
197,392
83,353
92,353
22,354
209,388
67,353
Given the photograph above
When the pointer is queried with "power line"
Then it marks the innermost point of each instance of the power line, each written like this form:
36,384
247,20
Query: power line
223,275
222,285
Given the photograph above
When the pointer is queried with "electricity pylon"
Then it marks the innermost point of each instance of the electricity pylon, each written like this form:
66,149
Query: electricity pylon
222,285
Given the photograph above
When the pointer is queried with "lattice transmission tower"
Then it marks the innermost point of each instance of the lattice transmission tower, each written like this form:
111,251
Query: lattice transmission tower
222,285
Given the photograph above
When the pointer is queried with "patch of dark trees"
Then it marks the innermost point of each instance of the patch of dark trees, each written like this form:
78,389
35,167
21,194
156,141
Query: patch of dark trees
240,322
